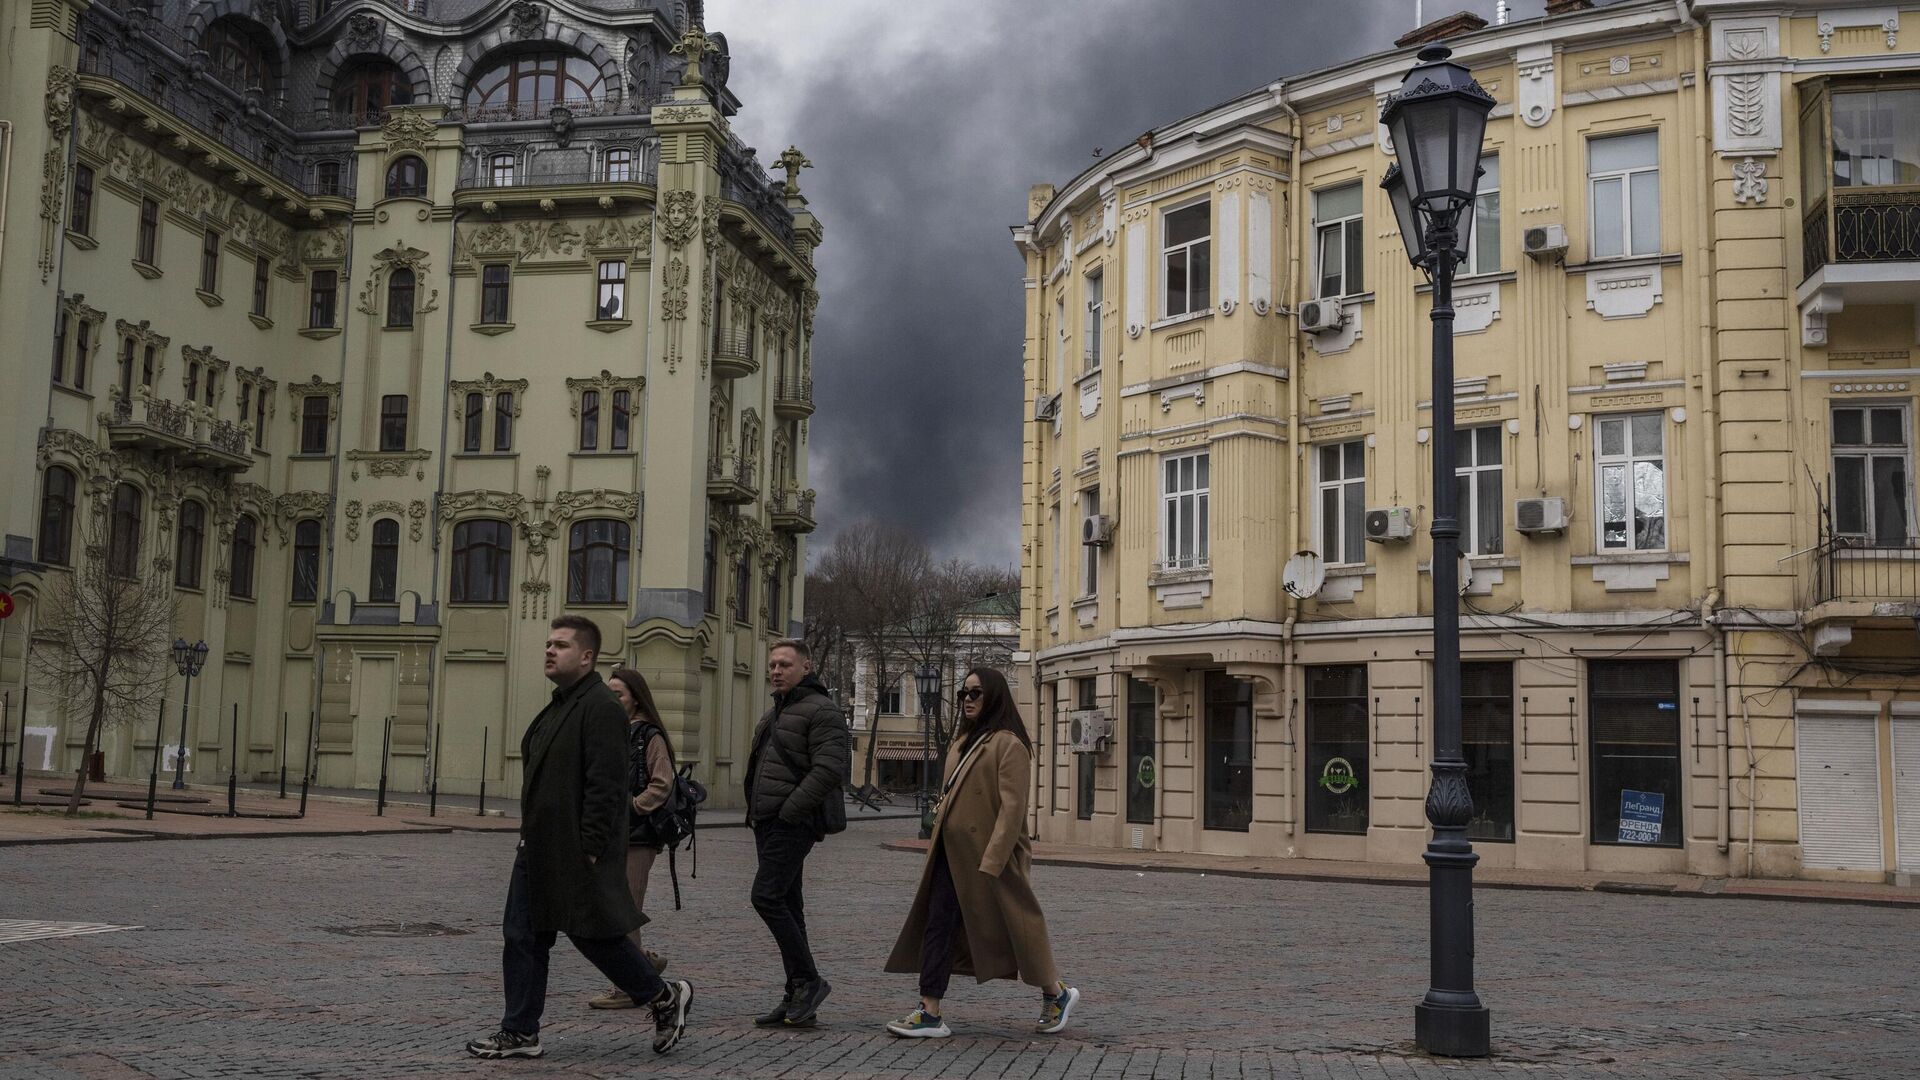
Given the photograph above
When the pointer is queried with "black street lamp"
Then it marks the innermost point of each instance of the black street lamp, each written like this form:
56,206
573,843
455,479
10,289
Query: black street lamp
189,659
928,678
1437,121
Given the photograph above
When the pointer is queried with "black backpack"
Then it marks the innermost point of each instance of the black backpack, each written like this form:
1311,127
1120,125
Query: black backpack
672,823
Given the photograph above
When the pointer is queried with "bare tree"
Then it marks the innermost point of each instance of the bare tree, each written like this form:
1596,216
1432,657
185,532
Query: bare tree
937,632
873,574
103,637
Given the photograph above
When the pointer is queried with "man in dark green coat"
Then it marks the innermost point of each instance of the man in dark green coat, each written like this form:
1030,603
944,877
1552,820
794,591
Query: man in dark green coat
570,873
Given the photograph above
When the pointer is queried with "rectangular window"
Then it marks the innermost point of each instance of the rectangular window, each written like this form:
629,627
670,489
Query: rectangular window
743,591
622,420
503,421
1086,698
1338,243
472,417
619,166
1184,493
1476,489
149,361
1623,180
147,244
81,220
612,297
493,293
1229,764
501,170
1186,258
313,424
890,699
60,346
1483,243
589,419
1337,745
1872,482
210,262
1057,554
260,419
1090,553
193,380
83,350
321,294
1141,766
710,579
1341,483
246,393
1486,732
1633,722
1631,482
1096,296
326,176
393,423
1876,139
261,275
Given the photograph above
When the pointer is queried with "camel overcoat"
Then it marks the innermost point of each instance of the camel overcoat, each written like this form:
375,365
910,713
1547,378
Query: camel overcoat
981,830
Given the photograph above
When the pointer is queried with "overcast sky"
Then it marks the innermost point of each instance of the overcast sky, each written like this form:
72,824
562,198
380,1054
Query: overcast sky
926,121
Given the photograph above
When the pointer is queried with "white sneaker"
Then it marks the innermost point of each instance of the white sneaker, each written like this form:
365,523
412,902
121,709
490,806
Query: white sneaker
1055,1010
918,1025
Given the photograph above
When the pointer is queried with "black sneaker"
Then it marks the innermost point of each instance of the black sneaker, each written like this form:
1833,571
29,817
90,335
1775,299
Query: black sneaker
778,1015
806,1001
670,1016
506,1044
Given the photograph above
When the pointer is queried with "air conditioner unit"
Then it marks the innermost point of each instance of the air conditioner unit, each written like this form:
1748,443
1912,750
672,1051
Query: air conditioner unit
1540,515
1096,530
1322,316
1384,523
1545,241
1090,729
1046,407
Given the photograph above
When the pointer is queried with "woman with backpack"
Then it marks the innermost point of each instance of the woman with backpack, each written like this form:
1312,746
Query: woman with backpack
649,784
975,913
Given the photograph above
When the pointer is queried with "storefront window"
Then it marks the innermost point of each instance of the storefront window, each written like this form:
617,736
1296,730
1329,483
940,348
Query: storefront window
1337,766
1229,776
1633,719
1087,698
1142,768
1486,728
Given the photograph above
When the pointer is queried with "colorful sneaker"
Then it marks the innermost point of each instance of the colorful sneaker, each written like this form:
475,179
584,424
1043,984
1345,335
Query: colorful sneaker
918,1025
1054,1010
506,1044
670,1016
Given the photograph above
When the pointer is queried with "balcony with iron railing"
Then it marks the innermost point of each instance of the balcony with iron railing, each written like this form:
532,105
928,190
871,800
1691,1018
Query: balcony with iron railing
1859,570
732,479
733,355
793,397
186,431
489,180
792,510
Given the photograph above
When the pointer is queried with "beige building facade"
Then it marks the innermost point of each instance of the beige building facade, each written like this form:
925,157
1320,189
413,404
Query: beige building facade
1686,393
388,332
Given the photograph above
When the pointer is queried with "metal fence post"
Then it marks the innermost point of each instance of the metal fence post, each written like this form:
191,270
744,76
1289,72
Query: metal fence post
386,741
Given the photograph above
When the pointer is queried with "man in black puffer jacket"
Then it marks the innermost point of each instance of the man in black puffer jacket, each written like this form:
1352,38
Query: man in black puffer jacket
795,779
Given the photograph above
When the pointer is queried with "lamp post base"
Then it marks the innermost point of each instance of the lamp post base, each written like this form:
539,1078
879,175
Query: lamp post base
1452,1030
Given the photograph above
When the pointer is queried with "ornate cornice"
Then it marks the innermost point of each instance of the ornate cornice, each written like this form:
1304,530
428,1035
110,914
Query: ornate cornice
293,506
606,383
314,387
620,504
487,386
389,462
406,129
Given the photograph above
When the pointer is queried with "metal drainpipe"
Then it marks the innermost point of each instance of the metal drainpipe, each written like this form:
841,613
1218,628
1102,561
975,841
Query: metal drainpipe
1710,616
440,481
340,441
1288,647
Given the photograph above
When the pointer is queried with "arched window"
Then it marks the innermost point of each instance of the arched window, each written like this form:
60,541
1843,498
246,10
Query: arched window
190,541
406,176
306,562
482,562
597,562
56,516
240,574
362,92
384,581
400,298
236,54
531,83
123,538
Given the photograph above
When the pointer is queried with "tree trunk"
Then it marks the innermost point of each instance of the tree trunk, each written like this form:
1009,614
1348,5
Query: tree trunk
873,722
93,738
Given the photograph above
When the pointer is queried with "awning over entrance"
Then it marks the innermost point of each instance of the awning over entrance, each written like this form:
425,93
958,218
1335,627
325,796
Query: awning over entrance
899,753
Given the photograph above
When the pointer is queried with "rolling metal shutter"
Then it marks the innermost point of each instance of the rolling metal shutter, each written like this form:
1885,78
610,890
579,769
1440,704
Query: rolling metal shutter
1839,772
1906,786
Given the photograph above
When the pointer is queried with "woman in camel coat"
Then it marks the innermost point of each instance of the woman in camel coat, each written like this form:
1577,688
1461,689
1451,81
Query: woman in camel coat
975,912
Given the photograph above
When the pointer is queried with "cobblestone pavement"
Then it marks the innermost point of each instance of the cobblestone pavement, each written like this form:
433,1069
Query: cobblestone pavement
242,969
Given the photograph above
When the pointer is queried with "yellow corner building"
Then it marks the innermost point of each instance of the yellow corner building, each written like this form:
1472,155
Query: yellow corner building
1686,394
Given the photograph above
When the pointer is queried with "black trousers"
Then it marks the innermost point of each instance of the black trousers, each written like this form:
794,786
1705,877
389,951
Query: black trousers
524,960
943,922
782,851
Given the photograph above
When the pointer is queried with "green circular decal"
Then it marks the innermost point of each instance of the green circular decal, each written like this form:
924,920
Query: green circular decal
1338,776
1144,774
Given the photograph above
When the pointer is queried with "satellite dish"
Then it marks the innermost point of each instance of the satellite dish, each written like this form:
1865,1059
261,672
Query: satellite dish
1304,574
1466,573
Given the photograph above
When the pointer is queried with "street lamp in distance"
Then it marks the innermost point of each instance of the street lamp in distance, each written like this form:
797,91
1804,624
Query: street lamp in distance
1437,121
928,680
189,659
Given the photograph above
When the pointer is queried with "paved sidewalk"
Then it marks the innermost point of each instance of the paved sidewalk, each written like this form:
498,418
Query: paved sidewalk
1415,875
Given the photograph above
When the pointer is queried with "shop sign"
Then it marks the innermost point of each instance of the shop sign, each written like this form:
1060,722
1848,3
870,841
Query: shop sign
1338,776
1640,816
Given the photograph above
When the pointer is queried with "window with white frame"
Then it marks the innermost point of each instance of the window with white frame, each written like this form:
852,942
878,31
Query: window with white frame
1476,489
1623,181
1060,340
1096,294
890,698
1630,482
1483,242
1338,242
1185,491
1186,258
1340,478
1872,476
1057,555
500,170
1090,553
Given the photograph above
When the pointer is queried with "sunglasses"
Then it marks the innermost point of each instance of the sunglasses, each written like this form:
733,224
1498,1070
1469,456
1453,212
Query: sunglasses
973,694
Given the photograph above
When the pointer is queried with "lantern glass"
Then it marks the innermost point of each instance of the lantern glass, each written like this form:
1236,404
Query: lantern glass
199,655
929,679
1411,232
181,653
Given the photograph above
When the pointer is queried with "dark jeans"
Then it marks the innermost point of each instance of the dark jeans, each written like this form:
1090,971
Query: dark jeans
782,852
943,922
524,961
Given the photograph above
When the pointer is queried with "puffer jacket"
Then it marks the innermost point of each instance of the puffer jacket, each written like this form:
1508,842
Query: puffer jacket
800,758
